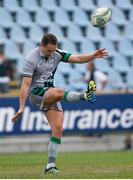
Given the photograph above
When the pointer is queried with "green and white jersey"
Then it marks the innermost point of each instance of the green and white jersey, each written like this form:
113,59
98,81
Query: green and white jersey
41,68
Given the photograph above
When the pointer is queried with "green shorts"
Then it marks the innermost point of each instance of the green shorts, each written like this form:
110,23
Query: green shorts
37,98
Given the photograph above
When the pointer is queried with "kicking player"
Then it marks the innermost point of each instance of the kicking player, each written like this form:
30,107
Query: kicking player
38,76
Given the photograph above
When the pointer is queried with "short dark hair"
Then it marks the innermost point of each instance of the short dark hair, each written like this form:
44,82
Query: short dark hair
49,38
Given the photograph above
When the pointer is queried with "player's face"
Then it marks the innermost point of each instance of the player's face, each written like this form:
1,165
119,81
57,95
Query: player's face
49,49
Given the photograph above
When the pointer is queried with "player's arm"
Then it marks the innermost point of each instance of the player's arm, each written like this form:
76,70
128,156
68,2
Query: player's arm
84,58
22,97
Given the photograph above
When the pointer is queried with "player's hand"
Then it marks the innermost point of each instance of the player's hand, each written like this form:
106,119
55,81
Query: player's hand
17,115
100,53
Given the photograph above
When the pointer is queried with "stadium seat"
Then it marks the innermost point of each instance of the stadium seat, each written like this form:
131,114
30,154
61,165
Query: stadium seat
5,18
108,3
3,38
49,5
120,63
62,18
109,47
76,81
36,33
64,68
11,5
23,18
125,5
81,68
42,18
125,47
83,4
17,34
130,79
74,33
80,18
11,50
94,34
68,5
69,46
112,32
131,14
118,17
102,65
55,29
31,7
28,46
59,81
87,46
115,80
128,33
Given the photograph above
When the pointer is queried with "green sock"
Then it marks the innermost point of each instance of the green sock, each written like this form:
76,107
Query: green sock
53,149
70,96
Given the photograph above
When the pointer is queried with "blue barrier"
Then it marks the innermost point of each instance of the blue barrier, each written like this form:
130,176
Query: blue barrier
110,113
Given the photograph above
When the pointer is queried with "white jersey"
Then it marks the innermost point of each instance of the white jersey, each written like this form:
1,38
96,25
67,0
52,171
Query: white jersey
41,68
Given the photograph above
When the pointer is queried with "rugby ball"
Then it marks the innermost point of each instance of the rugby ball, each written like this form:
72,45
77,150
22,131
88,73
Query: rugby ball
100,16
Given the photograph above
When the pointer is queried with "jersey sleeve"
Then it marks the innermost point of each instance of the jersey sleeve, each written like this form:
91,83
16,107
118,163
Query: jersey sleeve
64,55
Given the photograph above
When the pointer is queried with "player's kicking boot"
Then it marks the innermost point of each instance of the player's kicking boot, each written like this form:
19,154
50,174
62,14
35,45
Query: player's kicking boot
90,93
52,170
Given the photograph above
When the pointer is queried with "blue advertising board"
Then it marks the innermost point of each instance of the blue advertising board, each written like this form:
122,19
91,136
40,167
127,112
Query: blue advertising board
113,112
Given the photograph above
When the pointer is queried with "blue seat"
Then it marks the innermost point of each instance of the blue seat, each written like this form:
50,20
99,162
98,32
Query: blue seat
3,38
87,5
81,68
74,33
112,32
31,7
125,47
11,50
64,68
80,18
69,46
131,15
23,18
130,79
56,29
17,34
59,81
62,18
28,46
125,5
11,5
5,18
49,5
87,46
108,3
128,32
76,81
118,17
120,63
94,34
115,81
106,43
42,18
36,33
68,5
102,65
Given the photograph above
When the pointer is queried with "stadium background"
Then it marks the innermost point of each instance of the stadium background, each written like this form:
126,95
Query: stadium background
108,124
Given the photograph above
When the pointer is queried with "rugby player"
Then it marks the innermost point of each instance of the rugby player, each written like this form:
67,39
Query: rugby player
38,76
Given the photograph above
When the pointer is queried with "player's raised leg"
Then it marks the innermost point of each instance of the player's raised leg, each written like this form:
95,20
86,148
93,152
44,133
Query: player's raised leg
54,95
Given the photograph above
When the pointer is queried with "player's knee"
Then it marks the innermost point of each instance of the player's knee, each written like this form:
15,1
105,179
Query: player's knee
60,94
56,93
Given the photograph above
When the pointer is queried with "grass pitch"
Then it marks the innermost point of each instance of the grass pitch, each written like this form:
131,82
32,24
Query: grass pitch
83,165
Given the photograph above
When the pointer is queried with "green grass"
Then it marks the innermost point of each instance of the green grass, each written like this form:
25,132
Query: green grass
72,165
